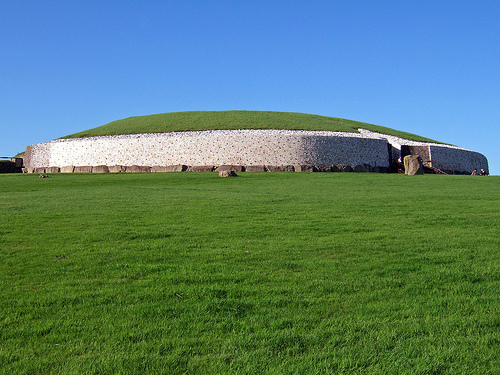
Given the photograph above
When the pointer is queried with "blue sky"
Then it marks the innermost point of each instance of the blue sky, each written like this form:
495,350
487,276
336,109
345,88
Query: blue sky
426,67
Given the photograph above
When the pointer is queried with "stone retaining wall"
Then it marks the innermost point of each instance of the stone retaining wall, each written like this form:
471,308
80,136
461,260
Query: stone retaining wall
254,148
456,158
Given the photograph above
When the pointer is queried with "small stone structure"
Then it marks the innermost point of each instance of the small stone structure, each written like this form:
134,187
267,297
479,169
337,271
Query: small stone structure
239,150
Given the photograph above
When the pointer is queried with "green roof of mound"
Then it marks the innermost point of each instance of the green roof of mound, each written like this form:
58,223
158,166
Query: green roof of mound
221,120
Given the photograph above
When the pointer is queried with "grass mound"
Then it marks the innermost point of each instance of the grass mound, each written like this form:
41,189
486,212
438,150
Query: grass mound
277,273
221,120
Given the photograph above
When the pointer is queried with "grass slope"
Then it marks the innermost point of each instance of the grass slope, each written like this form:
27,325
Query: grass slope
212,120
262,274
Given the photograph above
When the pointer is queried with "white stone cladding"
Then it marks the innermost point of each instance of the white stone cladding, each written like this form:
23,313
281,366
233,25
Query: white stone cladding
238,147
456,158
217,147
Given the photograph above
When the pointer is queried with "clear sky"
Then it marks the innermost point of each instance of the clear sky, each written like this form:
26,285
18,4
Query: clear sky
425,67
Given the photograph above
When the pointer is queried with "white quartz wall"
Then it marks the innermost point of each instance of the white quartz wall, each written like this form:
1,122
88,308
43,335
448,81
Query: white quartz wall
241,147
458,159
218,147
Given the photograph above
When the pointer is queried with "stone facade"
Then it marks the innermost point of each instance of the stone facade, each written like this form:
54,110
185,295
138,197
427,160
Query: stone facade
455,158
239,148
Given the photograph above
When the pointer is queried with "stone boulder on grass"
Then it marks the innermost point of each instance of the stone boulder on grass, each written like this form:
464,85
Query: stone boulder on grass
226,173
413,165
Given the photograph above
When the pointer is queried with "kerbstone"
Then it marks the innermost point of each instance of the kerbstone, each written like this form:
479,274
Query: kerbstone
100,169
255,168
52,170
236,168
137,169
200,168
169,168
83,169
67,169
413,165
117,169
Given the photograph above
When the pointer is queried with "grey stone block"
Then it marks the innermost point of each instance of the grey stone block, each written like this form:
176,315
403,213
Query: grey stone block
169,168
83,169
116,169
100,169
255,168
200,168
236,168
137,169
67,169
52,170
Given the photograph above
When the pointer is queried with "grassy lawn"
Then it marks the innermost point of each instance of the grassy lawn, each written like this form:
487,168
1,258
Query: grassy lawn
213,120
267,273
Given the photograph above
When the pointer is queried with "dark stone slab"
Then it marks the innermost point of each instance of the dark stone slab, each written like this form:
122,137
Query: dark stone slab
322,168
380,169
362,168
18,161
341,168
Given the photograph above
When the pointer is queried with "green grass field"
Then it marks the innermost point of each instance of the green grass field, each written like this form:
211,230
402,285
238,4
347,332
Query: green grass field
267,273
212,120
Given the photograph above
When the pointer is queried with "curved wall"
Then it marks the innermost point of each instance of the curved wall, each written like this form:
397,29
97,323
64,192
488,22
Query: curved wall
243,147
218,147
